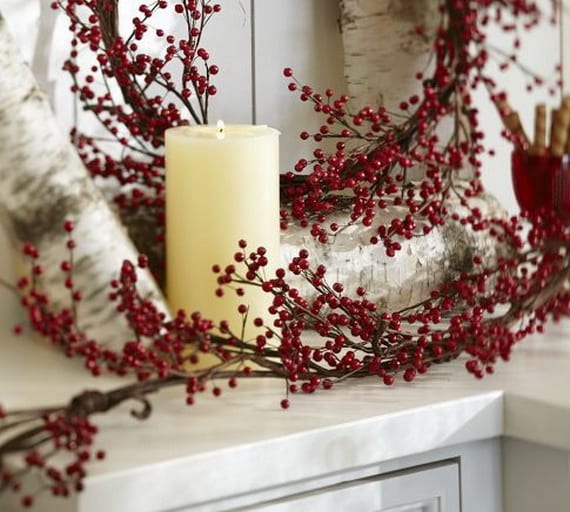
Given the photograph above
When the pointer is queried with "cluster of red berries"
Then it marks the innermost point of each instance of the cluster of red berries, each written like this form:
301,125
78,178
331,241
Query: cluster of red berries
375,150
135,95
73,436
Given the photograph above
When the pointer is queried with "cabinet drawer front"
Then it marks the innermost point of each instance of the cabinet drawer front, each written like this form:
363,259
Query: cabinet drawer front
430,505
433,488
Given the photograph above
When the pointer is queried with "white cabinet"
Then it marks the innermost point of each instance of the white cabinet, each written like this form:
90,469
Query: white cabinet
465,477
499,445
431,488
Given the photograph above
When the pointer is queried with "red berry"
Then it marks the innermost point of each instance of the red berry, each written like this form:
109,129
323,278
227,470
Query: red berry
142,261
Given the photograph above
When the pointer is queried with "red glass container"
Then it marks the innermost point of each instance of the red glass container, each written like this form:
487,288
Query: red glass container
561,188
542,182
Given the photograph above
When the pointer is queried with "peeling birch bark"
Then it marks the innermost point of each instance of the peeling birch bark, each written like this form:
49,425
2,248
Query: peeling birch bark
381,52
43,182
424,264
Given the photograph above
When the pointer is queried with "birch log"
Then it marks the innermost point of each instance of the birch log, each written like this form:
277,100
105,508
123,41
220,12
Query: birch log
43,182
382,55
424,264
381,51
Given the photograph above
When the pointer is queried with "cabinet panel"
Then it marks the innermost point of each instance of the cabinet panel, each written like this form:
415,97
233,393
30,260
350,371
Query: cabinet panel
433,488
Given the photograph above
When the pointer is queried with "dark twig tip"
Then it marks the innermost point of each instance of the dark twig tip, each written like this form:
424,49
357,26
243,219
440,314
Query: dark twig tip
146,410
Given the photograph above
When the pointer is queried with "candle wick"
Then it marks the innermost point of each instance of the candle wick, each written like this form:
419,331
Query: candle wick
220,134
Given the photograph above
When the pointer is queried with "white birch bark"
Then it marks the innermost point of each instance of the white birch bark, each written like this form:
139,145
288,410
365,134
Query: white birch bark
381,52
42,183
382,56
424,264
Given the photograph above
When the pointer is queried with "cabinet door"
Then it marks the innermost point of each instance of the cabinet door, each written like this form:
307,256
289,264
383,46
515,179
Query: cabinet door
431,488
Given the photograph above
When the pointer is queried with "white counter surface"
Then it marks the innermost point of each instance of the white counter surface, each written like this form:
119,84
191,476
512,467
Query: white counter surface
243,441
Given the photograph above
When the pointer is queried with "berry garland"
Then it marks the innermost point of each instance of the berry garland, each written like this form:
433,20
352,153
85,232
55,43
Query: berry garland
482,314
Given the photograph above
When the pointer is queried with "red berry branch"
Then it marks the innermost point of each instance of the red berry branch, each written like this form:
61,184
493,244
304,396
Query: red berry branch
483,315
312,343
376,150
135,96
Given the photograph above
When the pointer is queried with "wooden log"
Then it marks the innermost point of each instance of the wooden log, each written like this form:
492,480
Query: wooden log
382,52
43,182
424,264
386,43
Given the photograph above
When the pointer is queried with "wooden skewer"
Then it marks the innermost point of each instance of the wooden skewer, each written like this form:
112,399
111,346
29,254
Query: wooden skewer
553,120
559,131
503,108
539,144
513,123
566,105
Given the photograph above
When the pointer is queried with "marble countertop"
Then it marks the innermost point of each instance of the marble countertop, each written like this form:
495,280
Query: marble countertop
228,439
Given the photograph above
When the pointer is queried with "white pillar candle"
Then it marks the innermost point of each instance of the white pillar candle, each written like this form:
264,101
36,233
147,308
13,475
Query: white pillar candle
222,185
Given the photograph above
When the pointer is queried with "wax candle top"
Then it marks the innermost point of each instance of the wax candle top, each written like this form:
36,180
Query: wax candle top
223,131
